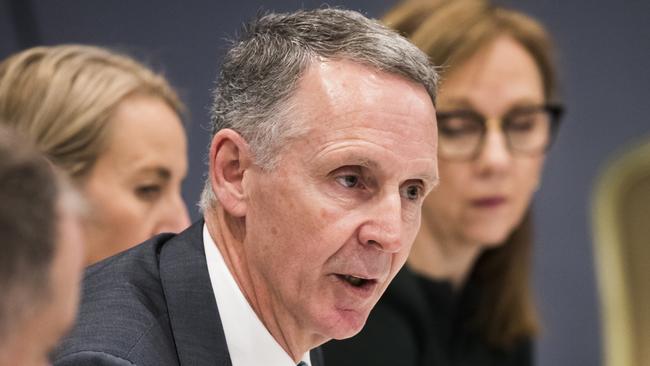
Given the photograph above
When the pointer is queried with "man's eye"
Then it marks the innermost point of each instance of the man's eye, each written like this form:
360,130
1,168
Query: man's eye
349,181
413,192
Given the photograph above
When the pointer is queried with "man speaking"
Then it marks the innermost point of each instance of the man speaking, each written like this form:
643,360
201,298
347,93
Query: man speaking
323,148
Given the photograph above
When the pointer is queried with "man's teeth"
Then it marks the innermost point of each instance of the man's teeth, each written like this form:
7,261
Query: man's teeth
354,281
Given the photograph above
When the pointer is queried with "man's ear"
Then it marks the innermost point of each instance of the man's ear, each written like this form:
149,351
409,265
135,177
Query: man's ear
230,156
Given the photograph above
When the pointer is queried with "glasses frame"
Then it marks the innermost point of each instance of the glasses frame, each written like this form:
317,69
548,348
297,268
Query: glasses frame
554,110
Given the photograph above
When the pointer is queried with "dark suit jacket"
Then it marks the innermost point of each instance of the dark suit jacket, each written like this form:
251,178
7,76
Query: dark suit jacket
152,305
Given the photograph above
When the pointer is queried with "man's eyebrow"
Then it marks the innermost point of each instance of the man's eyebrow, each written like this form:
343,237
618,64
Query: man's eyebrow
367,163
435,181
432,177
353,159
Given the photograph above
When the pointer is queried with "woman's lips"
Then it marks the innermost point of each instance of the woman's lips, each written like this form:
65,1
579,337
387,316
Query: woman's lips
489,202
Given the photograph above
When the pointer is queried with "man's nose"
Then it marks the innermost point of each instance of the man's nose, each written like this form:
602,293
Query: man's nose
384,224
173,216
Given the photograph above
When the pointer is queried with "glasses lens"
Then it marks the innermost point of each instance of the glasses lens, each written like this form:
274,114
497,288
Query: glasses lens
528,131
459,134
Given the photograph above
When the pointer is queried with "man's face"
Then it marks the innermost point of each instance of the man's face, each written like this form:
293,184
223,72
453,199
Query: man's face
329,228
43,325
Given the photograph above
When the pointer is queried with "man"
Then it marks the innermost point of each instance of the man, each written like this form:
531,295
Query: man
323,148
41,255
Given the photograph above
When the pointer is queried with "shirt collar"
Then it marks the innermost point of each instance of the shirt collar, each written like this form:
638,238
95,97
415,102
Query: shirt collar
248,340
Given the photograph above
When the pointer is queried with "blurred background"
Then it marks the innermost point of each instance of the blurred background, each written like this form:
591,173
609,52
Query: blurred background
603,52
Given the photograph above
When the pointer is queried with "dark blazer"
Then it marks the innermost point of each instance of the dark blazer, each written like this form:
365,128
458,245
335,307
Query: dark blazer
152,305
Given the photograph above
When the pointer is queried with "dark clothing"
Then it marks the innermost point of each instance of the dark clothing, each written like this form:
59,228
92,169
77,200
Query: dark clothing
152,305
420,322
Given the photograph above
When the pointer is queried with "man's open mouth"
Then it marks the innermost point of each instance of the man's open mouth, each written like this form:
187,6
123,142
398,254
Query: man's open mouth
357,281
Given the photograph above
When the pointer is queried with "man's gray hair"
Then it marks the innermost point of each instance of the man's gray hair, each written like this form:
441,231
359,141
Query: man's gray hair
260,72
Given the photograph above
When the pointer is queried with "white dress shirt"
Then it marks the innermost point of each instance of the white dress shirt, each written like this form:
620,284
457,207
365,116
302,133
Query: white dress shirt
249,342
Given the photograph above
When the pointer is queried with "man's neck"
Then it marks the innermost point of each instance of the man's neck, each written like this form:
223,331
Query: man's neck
229,237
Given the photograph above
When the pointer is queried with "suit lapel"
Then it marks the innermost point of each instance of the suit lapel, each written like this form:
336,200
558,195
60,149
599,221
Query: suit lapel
193,314
316,357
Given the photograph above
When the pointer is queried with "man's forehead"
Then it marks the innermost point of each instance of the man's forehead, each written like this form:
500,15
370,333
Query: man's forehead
332,77
344,103
336,87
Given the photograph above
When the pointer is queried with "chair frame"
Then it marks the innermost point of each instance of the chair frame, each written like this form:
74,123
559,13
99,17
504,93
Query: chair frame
616,293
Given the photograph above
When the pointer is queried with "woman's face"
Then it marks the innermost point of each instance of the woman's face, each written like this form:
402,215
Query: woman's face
134,188
482,199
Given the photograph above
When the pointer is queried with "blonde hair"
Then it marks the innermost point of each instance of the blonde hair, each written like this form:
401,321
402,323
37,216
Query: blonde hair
62,97
451,32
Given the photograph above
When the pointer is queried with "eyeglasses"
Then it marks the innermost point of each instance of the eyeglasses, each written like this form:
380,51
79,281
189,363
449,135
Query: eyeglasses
527,130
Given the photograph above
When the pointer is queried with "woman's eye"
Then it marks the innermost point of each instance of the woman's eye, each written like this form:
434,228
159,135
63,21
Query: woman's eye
148,192
458,127
349,181
521,124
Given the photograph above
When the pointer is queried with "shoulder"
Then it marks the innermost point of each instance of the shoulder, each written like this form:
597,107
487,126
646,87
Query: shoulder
92,358
122,312
522,353
403,307
407,297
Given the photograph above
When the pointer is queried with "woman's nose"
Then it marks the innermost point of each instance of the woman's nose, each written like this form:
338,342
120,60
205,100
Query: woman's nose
495,156
175,217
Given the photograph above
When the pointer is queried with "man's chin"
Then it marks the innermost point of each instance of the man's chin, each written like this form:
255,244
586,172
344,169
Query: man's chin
348,324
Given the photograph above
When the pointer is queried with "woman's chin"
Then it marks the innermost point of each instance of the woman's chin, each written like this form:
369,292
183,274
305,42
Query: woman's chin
492,238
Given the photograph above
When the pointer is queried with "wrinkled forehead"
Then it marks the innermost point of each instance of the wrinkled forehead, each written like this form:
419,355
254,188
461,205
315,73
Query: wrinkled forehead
353,107
331,89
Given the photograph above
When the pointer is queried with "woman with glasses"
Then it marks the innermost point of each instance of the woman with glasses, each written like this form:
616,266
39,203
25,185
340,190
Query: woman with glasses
464,296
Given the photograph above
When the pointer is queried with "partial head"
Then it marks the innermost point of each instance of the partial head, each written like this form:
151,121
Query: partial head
497,112
324,147
260,72
102,118
452,31
42,253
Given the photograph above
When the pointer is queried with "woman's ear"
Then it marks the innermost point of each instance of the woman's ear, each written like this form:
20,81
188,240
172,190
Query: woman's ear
230,156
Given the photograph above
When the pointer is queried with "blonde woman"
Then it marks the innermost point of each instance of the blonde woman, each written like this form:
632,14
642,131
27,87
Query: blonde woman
114,126
464,296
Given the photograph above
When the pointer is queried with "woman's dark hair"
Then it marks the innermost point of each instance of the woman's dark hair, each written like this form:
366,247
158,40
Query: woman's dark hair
451,32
